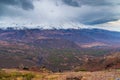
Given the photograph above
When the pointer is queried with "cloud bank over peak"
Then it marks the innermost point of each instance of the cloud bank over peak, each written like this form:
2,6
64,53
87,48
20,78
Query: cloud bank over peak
86,12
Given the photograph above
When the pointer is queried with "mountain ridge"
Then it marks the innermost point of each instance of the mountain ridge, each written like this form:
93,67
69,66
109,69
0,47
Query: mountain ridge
59,49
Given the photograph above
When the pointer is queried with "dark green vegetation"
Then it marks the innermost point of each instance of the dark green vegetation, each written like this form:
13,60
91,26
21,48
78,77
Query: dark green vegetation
60,50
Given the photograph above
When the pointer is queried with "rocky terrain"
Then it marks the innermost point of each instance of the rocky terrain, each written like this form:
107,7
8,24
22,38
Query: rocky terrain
60,50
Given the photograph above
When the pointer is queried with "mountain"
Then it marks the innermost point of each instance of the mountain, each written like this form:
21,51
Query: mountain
78,36
59,49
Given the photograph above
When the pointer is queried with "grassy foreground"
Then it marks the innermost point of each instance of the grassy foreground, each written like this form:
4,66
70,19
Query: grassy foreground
14,74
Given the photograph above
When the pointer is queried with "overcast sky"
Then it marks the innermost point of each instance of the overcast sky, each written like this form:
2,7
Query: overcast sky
103,14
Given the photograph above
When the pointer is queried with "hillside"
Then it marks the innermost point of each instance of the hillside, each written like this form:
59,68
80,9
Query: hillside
60,50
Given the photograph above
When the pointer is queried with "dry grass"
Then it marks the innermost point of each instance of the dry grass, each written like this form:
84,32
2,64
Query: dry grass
98,75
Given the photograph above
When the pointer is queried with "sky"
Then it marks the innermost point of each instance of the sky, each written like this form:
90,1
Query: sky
103,14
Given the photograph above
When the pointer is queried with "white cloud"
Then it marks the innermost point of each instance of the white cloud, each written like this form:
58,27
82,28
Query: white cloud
112,26
56,13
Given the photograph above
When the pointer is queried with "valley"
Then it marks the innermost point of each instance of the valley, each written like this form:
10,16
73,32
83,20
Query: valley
60,50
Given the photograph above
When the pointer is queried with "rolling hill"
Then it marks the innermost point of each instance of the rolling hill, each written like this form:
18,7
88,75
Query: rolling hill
62,49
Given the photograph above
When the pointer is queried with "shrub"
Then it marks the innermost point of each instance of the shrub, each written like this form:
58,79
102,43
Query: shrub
77,69
28,76
74,78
